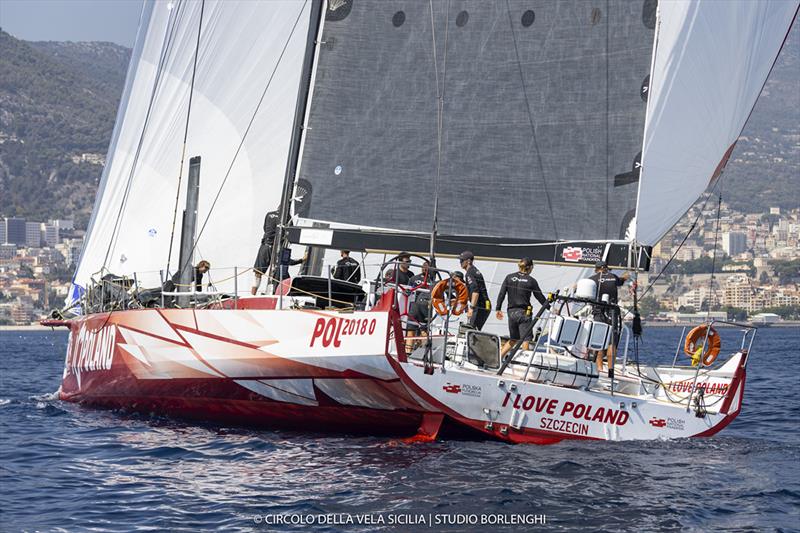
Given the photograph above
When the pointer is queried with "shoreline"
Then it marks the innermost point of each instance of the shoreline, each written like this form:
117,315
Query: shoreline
32,327
645,323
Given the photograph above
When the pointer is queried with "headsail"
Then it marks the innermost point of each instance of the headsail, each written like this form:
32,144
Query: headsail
248,69
712,60
542,128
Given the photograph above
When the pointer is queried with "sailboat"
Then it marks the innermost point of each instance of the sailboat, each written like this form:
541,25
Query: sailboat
568,133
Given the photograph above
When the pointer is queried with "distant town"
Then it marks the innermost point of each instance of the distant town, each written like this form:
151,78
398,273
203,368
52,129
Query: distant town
37,260
756,267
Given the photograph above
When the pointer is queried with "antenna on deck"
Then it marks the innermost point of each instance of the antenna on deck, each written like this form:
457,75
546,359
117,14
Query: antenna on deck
188,230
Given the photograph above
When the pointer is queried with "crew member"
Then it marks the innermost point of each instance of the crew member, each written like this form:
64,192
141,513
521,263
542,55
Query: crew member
263,257
420,312
479,304
520,286
174,284
285,261
607,283
347,268
424,279
404,274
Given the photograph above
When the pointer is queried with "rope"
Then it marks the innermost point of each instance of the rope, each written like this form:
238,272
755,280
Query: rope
185,137
714,256
440,89
688,233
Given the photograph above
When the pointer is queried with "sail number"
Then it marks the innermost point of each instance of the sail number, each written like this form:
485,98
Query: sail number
331,330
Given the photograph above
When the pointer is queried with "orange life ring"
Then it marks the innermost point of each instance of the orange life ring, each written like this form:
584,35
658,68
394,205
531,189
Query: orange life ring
694,344
437,297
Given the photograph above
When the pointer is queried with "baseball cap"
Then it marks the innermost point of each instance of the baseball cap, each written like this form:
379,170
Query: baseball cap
466,255
600,264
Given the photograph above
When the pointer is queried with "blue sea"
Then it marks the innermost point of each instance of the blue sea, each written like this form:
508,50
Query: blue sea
68,468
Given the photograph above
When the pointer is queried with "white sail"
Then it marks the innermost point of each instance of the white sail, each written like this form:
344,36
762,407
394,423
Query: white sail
711,61
246,50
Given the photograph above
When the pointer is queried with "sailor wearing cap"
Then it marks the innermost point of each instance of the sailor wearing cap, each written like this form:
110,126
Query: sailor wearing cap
607,283
479,304
520,286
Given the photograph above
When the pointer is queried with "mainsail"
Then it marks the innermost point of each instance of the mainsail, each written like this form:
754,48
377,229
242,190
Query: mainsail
711,62
543,117
249,56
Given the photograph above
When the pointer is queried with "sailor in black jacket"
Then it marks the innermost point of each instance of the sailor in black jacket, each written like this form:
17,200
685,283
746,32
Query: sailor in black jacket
479,304
263,258
519,286
347,268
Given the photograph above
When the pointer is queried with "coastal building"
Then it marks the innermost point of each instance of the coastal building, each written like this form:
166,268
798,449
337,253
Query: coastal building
696,318
697,297
33,234
63,224
765,318
49,233
8,251
734,243
15,231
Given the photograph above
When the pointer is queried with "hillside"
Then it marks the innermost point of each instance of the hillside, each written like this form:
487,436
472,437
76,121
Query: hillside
58,101
764,169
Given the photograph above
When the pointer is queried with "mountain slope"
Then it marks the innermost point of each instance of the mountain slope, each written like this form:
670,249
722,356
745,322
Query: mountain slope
57,102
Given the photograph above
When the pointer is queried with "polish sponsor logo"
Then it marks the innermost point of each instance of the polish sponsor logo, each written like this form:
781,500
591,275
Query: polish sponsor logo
669,423
592,254
572,254
92,350
586,254
718,389
451,388
330,331
578,411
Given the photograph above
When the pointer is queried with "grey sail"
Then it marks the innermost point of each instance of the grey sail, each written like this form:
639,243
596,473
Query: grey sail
544,111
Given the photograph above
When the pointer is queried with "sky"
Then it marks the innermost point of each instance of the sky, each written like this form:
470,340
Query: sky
71,20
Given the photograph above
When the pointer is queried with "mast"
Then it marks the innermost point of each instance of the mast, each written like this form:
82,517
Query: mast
314,25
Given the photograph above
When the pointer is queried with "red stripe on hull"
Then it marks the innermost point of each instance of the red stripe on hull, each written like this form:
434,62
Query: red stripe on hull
265,413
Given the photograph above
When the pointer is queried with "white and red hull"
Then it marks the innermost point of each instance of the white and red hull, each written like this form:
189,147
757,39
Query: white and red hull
310,370
514,410
348,372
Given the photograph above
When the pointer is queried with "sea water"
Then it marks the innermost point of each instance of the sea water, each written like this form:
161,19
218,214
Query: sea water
65,467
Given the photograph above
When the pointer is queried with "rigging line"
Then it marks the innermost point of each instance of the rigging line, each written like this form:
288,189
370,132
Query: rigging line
608,132
685,237
530,121
439,118
166,47
247,130
714,255
185,137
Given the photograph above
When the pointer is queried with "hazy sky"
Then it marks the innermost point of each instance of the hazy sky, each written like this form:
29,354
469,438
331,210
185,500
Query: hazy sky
71,20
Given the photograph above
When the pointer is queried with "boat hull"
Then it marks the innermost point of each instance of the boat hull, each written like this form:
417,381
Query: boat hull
307,370
520,411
